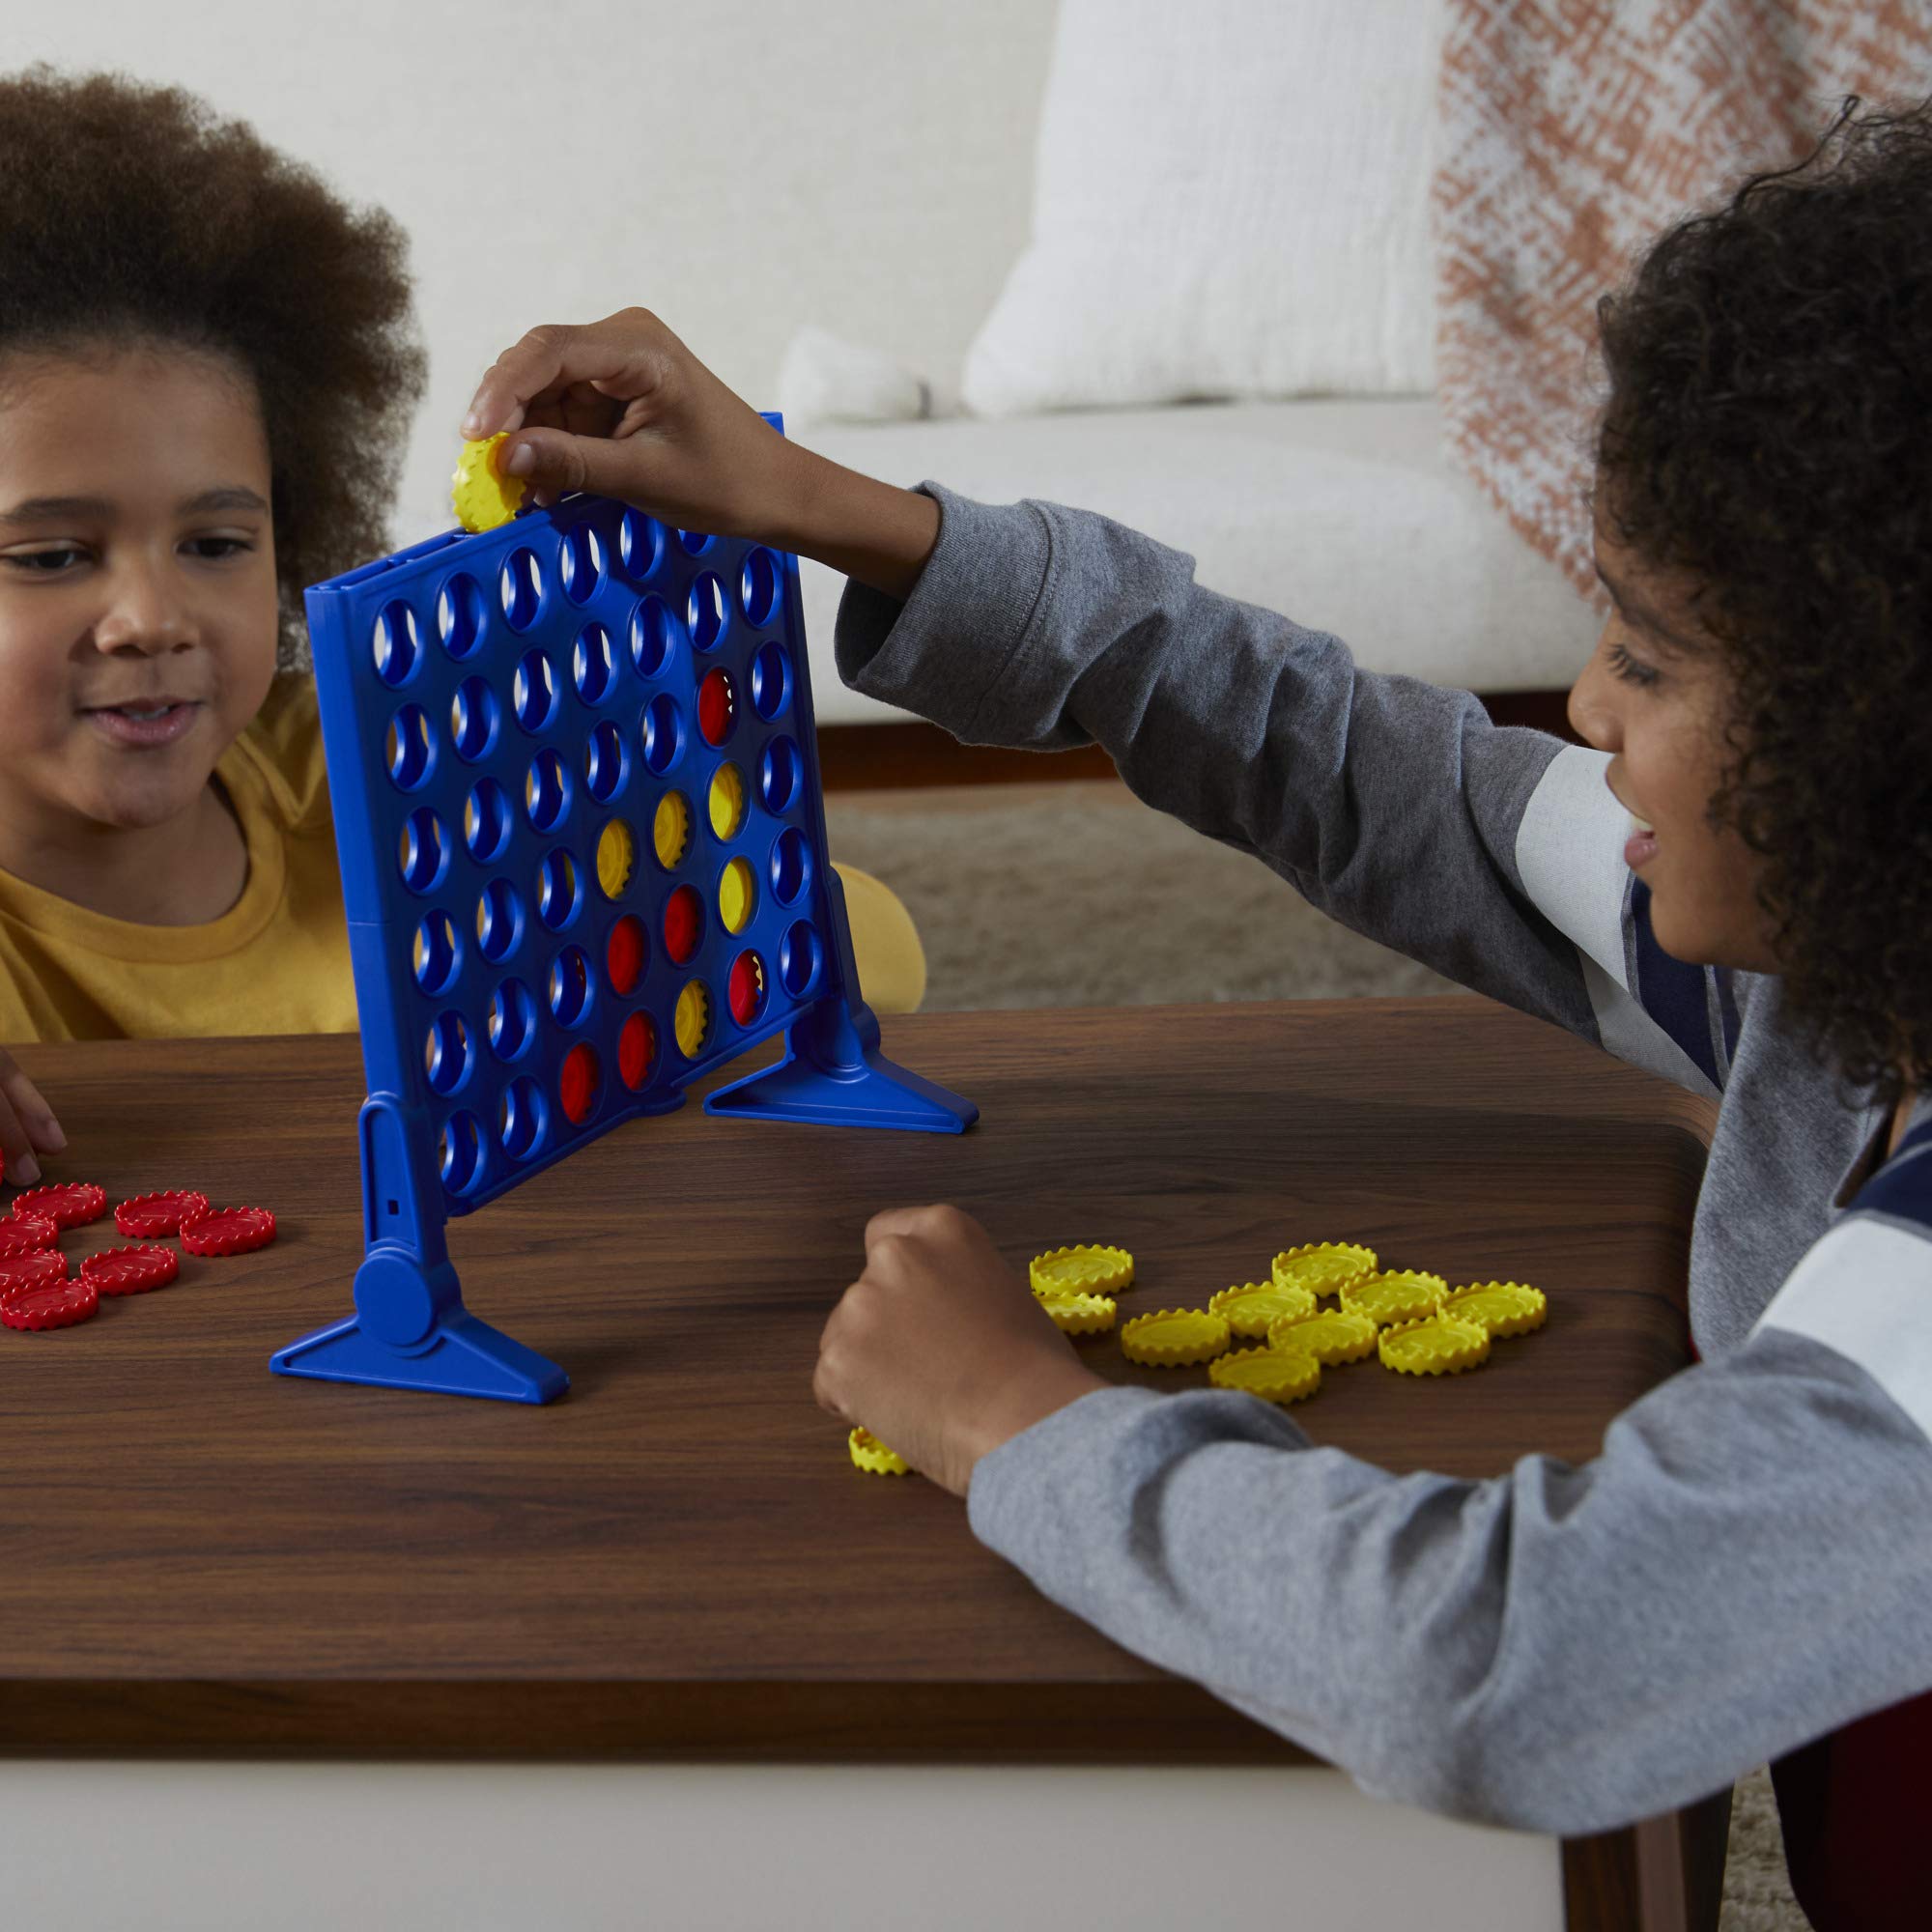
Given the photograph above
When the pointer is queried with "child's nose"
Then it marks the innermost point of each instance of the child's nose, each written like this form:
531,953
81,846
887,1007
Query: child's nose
1592,708
145,614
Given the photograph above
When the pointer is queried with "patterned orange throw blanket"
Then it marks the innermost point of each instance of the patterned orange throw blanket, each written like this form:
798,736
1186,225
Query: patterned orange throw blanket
1574,131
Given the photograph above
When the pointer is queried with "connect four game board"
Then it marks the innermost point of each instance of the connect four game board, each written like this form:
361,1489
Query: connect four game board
582,851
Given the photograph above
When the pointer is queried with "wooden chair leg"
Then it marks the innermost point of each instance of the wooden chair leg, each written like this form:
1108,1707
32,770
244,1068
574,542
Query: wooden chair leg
1663,1875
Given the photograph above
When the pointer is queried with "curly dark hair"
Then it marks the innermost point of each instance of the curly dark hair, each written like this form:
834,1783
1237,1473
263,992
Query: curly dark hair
1766,438
131,214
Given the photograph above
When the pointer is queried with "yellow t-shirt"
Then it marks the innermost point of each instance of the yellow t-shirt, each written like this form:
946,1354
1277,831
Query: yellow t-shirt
277,960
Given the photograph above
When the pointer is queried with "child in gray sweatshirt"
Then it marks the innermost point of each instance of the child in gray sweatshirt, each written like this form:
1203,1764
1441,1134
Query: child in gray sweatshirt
1730,887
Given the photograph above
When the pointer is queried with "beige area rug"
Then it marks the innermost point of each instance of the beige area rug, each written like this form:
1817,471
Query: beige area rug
1077,894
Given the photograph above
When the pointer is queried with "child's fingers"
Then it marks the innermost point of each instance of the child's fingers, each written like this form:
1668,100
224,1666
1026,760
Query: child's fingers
27,1127
621,355
555,462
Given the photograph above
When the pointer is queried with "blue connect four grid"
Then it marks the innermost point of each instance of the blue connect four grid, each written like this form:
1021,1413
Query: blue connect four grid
511,721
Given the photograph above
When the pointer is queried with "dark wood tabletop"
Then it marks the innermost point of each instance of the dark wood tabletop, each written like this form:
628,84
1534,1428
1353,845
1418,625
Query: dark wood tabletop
677,1558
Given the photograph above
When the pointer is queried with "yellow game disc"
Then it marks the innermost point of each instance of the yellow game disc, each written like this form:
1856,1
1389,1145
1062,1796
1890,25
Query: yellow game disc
1275,1376
691,1022
1174,1337
1503,1307
1331,1335
873,1457
1080,1313
1252,1306
1435,1346
1398,1294
483,497
1324,1265
671,829
1087,1270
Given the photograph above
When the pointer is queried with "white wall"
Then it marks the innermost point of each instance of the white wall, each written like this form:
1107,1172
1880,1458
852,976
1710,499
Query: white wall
741,166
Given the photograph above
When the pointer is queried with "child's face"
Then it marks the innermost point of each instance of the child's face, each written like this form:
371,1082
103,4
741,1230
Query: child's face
1660,711
137,584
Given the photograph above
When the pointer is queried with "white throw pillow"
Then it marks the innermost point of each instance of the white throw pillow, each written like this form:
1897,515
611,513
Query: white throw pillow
1231,199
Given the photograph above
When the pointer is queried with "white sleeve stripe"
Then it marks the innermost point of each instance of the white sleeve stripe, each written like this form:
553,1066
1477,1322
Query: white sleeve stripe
1570,859
1865,1291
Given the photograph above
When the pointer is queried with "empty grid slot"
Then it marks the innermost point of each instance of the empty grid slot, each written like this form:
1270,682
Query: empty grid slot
513,1020
758,587
446,1052
800,957
593,664
500,920
771,682
580,563
396,647
521,585
486,821
459,1153
640,543
437,954
570,986
423,851
461,615
522,1118
779,769
474,716
533,691
560,890
605,766
705,611
663,733
653,637
791,866
547,791
410,750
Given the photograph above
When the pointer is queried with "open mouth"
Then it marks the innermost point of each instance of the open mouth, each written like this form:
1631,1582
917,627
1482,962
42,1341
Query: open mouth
160,722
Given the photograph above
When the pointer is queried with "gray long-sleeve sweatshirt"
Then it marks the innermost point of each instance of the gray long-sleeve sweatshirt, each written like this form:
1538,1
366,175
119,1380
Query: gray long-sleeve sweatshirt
1748,1563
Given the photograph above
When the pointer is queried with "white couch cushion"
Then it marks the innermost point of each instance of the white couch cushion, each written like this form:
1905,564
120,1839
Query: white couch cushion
1344,514
1230,200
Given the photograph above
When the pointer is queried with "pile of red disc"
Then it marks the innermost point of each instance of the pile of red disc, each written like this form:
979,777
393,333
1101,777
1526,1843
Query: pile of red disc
36,1289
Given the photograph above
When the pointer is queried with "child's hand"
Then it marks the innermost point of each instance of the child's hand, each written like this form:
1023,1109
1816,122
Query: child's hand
621,408
27,1126
940,1349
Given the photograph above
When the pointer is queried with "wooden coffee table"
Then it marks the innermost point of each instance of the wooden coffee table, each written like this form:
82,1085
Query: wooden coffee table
675,1569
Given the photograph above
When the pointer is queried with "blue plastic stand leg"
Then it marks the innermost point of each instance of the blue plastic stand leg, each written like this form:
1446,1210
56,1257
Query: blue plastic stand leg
833,1073
411,1330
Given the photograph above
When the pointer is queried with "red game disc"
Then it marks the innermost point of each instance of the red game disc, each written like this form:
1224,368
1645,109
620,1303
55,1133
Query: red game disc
45,1265
26,1235
131,1270
147,1215
229,1230
66,1204
48,1304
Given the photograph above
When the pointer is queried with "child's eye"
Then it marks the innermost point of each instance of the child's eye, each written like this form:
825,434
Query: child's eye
45,563
1627,668
214,549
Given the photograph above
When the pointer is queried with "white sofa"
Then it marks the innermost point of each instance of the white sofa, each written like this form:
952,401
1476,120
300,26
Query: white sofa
1340,512
752,166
